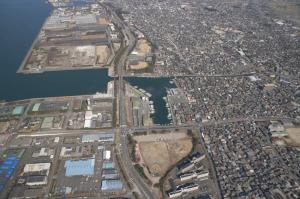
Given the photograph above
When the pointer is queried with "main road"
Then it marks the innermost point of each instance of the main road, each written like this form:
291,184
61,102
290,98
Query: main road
121,135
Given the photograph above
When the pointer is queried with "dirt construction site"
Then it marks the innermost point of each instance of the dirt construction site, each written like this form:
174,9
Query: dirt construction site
143,47
293,137
141,51
158,152
103,52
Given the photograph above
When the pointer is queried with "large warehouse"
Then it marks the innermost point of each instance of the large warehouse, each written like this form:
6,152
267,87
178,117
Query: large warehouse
80,167
108,185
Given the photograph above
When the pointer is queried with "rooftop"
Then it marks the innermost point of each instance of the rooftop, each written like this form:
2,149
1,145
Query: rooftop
18,110
111,184
79,167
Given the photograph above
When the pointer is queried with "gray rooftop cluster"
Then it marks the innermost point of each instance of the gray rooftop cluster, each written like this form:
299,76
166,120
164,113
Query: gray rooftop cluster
217,37
248,164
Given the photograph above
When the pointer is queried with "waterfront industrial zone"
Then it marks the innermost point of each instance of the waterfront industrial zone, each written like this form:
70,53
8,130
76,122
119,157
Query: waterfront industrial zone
68,147
234,130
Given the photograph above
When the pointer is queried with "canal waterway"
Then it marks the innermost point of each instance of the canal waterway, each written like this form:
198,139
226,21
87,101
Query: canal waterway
20,22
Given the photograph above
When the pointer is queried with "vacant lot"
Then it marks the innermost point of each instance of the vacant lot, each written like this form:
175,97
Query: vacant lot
139,66
168,136
103,52
294,136
160,155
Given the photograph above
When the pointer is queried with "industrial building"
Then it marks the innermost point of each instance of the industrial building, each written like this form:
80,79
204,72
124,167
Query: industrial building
36,180
71,39
52,122
37,174
47,123
54,21
79,167
18,110
103,137
36,107
37,169
111,185
50,106
43,152
76,151
109,174
106,155
97,119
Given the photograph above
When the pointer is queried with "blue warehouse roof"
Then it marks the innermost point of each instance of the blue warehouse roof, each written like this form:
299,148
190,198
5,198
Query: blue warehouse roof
79,167
6,169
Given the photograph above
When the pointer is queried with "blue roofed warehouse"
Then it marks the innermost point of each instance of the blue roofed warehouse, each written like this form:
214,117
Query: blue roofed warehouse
80,167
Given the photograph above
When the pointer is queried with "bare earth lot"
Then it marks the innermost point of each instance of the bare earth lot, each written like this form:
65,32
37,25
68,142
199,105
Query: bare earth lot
160,155
294,136
102,53
143,47
139,66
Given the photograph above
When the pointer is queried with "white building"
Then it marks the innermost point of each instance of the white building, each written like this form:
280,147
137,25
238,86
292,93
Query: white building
190,188
198,158
175,194
187,167
204,175
107,155
38,167
187,176
37,174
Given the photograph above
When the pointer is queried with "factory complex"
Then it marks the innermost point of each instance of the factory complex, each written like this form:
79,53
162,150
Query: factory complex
61,166
72,38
